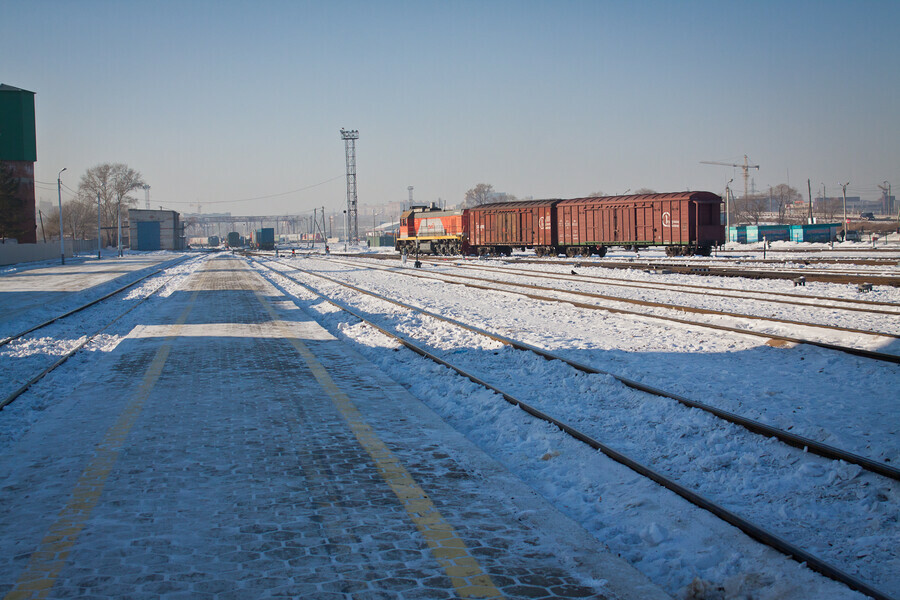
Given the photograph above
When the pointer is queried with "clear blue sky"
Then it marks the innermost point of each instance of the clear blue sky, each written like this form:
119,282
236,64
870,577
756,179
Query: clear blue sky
216,101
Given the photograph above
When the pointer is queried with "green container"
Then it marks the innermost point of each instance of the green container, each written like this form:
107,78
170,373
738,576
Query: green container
17,134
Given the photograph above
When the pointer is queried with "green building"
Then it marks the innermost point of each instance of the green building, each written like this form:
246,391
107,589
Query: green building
18,153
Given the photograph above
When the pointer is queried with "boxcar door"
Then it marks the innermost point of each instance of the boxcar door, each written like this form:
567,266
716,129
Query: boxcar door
658,237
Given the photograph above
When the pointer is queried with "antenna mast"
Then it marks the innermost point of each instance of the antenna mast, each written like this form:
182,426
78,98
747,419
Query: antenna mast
350,138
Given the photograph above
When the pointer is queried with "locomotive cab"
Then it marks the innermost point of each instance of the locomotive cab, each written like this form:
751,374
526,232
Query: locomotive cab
431,230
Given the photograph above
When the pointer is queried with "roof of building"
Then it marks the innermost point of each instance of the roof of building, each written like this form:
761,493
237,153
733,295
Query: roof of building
9,88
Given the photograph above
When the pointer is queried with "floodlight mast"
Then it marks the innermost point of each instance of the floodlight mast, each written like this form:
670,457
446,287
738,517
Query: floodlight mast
350,137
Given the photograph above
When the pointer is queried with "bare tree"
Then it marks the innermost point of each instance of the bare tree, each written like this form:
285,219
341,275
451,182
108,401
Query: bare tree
480,194
784,197
751,209
644,190
113,182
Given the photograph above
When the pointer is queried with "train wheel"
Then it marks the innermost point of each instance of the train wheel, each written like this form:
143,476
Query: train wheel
572,252
601,251
704,251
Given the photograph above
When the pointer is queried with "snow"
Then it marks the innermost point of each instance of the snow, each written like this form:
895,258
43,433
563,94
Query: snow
837,511
24,358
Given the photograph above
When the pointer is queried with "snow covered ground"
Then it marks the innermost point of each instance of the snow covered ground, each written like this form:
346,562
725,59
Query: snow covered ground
838,512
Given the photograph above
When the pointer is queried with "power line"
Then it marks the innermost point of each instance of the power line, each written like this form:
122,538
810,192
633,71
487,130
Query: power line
309,187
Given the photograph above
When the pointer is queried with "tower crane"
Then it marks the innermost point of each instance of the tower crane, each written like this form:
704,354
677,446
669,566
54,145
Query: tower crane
745,167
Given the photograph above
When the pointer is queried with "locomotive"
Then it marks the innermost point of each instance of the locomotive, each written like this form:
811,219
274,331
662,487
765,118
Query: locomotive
685,223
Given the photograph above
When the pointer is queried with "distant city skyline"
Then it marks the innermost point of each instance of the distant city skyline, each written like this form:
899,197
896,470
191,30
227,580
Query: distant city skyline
238,107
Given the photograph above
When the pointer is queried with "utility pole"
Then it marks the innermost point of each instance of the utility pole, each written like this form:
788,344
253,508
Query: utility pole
886,194
809,191
119,231
350,138
728,209
844,228
98,226
62,244
824,207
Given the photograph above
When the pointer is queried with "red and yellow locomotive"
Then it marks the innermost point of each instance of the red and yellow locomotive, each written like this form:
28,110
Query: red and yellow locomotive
431,230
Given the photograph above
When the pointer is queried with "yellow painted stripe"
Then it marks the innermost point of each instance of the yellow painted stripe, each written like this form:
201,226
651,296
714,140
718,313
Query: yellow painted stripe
468,578
49,559
431,237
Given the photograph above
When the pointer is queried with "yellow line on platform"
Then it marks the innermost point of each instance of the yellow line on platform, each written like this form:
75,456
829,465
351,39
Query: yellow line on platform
49,559
468,578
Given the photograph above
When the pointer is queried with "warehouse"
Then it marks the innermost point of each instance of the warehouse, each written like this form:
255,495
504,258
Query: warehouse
155,230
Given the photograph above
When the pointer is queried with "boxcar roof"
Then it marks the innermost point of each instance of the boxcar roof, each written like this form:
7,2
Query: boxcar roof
702,197
514,205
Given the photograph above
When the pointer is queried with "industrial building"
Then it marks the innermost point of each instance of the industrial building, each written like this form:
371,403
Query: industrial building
155,230
18,153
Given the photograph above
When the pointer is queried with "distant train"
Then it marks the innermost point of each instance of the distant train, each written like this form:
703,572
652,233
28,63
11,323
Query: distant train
263,239
234,240
685,223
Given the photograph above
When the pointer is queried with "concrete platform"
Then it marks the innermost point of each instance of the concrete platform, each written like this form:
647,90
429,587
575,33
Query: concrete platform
232,448
32,287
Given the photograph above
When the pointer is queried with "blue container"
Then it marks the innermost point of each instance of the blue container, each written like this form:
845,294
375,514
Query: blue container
774,233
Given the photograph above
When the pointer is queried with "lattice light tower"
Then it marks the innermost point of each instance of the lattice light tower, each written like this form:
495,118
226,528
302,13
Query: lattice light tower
350,138
146,196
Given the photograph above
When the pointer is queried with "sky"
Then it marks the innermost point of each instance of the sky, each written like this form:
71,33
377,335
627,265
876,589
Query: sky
238,106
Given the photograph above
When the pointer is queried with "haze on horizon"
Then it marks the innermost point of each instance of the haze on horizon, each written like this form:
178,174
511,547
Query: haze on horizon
219,102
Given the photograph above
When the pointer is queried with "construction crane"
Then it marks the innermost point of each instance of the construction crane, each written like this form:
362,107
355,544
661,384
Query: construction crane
746,168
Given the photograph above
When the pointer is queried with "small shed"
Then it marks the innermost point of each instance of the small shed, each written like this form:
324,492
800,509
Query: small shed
155,230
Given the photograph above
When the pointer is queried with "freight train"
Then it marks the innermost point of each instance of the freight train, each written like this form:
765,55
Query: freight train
263,239
684,223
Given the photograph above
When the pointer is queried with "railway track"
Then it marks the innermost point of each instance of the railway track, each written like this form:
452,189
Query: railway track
46,370
755,531
20,334
697,267
519,288
789,273
862,305
866,306
754,426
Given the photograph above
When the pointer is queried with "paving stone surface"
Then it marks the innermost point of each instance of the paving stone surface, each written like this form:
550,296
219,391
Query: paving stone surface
221,466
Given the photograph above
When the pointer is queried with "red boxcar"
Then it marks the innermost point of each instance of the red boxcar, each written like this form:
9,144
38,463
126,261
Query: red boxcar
684,222
499,227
